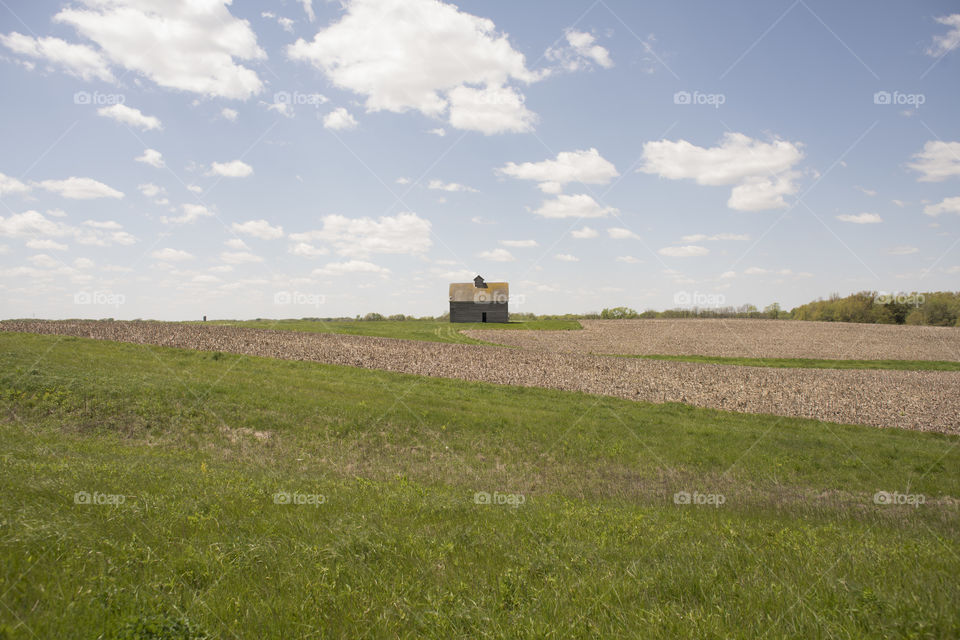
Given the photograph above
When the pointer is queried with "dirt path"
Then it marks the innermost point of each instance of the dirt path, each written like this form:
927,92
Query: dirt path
921,400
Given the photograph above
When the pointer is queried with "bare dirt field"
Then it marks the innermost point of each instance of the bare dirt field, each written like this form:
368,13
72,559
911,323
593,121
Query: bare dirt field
921,400
742,338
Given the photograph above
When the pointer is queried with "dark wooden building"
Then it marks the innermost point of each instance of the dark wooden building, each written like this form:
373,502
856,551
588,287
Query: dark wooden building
479,302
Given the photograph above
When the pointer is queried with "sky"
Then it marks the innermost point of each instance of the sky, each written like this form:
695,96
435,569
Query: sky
275,159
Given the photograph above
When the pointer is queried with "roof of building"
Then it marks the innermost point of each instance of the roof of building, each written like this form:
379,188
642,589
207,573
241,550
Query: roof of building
467,292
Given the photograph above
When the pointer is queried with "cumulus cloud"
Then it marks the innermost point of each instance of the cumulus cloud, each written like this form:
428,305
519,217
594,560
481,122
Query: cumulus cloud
152,157
232,169
76,59
35,226
236,243
405,233
761,173
566,257
685,251
629,259
947,205
440,185
351,266
130,116
191,213
180,44
947,42
588,167
497,255
903,250
581,51
619,233
259,229
150,190
702,237
339,119
9,184
171,255
423,55
239,257
584,233
307,250
519,244
573,206
46,244
938,161
80,188
860,218
229,114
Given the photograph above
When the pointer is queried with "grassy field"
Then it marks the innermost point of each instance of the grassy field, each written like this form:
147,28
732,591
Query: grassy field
378,532
811,363
428,330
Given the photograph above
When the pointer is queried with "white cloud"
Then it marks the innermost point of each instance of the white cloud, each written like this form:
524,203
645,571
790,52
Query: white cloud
943,44
440,185
191,213
573,206
239,257
860,218
402,180
629,259
351,266
374,47
76,59
566,257
283,108
584,233
588,167
236,243
761,172
229,114
307,250
232,169
496,255
726,275
308,8
9,184
405,233
46,244
171,255
259,229
180,44
130,116
938,161
150,190
582,51
756,271
493,109
947,205
519,244
83,263
44,261
105,224
619,233
80,188
439,131
339,120
903,250
153,158
686,251
865,191
34,226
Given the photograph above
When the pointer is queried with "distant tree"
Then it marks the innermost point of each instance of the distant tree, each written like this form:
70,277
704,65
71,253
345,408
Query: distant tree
618,313
772,310
373,316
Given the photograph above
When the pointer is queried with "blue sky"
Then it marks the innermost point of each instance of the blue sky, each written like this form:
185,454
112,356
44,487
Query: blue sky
284,159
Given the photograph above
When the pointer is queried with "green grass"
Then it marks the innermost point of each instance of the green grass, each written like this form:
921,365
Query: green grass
200,442
426,330
810,363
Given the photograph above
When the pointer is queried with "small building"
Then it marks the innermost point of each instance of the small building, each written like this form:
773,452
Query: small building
479,301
